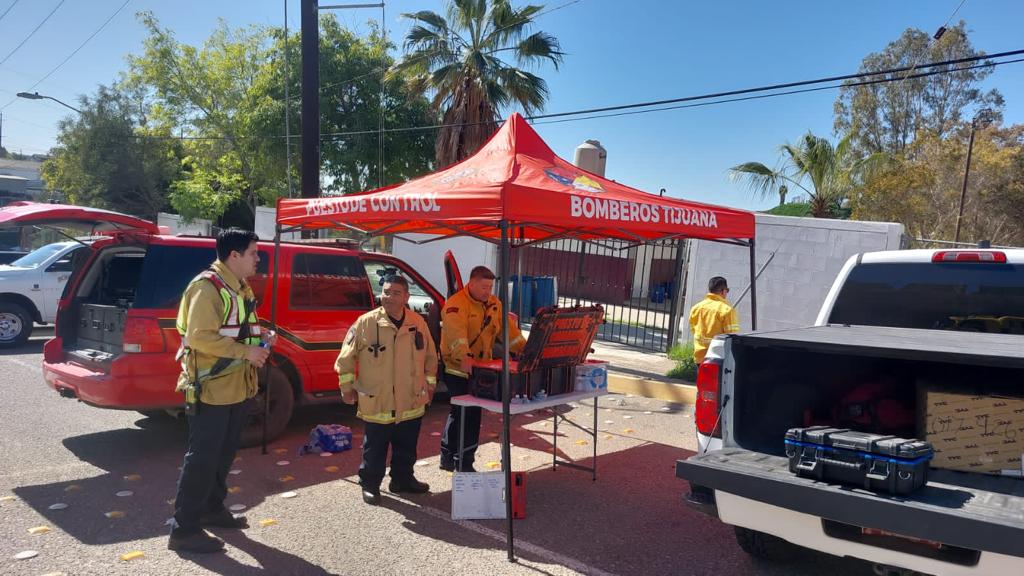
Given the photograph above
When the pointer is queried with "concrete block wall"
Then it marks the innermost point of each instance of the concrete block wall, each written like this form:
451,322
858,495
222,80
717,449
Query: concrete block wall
808,254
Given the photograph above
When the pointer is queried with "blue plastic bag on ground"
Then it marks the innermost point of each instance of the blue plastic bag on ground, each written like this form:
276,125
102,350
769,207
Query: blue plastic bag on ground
328,438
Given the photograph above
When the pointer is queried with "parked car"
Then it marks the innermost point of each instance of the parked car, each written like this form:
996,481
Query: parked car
115,337
895,328
30,288
10,255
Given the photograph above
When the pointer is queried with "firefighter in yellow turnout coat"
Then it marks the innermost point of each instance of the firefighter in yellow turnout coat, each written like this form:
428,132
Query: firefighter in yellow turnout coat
220,354
472,324
388,363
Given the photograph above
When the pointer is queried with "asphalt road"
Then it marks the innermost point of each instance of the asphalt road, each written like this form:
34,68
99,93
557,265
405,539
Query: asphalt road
630,522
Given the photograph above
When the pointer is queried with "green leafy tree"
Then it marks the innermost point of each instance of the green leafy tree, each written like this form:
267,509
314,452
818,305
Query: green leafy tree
113,155
826,173
459,59
351,105
886,117
208,94
227,99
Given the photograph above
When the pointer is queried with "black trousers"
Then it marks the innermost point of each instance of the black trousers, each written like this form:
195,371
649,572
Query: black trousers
214,434
402,438
450,438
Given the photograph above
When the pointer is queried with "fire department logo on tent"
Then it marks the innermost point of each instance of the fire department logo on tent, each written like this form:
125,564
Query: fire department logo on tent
580,182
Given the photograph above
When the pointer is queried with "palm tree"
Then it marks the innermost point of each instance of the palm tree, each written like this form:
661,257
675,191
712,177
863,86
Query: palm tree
833,171
459,59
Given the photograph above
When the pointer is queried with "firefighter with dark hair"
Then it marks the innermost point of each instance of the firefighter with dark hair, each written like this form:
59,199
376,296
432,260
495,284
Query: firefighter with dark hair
220,352
388,364
712,316
471,325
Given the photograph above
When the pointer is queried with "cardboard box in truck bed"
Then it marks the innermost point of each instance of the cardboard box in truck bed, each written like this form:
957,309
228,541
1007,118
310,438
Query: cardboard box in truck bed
975,433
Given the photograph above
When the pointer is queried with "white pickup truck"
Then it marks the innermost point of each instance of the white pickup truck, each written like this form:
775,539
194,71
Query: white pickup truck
30,288
894,326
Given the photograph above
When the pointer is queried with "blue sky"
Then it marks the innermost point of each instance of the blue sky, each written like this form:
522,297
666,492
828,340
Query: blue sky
617,52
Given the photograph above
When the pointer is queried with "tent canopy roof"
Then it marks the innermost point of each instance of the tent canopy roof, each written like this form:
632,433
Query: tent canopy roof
516,177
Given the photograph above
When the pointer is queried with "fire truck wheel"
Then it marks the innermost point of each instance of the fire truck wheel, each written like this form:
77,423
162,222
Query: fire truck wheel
282,401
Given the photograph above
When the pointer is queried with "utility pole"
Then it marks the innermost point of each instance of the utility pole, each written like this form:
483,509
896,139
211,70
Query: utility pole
310,99
982,118
311,91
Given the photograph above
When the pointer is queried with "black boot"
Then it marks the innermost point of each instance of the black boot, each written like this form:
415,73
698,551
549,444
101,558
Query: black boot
199,542
371,495
410,485
224,519
450,465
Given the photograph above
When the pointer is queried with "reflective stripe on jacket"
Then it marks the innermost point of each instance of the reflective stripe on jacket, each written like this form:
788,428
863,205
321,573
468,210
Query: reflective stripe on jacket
209,322
470,327
708,318
394,376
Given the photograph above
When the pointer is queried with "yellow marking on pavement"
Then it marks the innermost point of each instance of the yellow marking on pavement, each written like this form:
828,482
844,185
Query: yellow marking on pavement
39,530
132,555
268,522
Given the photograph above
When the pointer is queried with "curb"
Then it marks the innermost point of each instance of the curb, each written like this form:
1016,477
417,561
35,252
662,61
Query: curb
658,389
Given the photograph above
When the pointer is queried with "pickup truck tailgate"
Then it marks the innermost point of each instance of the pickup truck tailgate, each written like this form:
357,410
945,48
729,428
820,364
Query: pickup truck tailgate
974,511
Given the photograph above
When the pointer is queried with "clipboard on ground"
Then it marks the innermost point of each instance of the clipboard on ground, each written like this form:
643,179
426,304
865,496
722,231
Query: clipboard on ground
478,495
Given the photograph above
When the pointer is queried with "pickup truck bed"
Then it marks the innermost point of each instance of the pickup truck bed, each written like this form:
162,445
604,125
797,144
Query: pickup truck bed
977,348
972,511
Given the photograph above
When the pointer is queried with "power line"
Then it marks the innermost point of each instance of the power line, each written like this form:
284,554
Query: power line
13,4
938,34
713,98
778,86
73,52
32,33
784,93
735,93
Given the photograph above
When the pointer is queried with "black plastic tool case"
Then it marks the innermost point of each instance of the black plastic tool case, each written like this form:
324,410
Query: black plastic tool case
870,461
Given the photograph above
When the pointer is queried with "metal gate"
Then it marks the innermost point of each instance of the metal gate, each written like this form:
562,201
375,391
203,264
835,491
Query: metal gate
639,285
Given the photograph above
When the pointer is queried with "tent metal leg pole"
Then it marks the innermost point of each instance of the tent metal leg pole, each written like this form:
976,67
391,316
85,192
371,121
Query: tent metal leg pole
506,393
273,326
753,286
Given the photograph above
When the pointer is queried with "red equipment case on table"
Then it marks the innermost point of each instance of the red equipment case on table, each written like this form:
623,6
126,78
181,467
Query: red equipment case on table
560,338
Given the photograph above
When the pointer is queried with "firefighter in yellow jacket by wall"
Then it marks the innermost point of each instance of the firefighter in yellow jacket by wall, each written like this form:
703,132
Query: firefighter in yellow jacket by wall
388,364
712,316
471,324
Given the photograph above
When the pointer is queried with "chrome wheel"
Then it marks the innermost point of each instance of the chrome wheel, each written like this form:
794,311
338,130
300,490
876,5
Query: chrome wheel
10,326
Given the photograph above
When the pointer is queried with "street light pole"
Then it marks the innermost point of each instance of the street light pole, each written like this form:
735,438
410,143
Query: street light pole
38,96
981,117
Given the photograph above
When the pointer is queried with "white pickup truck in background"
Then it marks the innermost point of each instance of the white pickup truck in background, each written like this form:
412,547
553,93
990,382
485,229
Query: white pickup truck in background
30,288
895,328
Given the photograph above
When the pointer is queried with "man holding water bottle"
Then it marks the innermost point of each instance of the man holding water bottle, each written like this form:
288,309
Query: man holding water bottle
222,346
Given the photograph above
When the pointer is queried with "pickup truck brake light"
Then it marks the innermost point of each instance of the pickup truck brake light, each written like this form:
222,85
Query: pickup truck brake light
707,405
947,256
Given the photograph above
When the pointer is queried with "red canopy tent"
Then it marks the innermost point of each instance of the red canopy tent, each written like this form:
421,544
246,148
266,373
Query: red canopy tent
516,191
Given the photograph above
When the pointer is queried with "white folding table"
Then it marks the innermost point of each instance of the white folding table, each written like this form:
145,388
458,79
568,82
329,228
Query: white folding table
467,401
